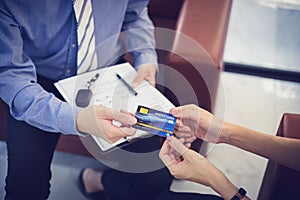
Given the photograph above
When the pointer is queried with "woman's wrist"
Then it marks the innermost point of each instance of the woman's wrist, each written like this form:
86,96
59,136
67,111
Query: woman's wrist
222,185
226,133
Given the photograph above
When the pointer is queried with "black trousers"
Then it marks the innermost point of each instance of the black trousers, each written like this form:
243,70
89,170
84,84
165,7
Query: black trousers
30,152
138,186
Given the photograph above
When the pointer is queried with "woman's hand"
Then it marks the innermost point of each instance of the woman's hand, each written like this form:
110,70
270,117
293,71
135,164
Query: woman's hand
194,122
187,164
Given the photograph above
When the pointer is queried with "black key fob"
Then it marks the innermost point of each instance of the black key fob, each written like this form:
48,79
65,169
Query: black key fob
83,97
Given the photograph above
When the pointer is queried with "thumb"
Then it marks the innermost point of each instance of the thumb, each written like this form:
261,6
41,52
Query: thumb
189,111
124,118
177,146
151,80
182,149
177,112
164,154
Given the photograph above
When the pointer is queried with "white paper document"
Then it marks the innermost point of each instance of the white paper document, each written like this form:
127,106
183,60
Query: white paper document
110,91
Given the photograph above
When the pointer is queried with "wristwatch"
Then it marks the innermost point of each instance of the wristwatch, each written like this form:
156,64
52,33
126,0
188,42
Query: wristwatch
240,194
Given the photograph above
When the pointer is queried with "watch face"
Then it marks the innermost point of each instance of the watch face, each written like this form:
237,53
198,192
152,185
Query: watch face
83,98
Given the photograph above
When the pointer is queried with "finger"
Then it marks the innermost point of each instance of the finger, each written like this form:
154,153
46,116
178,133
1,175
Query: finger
184,112
151,80
177,155
177,145
138,80
190,139
179,123
164,154
128,130
124,118
165,149
115,133
183,136
177,112
186,139
183,129
127,112
173,155
181,140
188,145
113,140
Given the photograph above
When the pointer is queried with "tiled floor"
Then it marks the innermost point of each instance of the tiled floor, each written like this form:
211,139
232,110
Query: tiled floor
253,102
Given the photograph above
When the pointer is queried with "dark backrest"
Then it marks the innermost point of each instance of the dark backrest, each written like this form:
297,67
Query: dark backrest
164,13
3,117
279,181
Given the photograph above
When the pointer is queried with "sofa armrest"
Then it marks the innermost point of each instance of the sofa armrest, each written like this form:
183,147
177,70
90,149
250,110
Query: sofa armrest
280,182
289,126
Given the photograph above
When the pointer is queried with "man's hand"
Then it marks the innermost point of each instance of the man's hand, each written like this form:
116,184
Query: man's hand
98,121
145,72
194,122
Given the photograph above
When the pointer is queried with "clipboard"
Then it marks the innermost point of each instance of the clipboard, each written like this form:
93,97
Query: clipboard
109,91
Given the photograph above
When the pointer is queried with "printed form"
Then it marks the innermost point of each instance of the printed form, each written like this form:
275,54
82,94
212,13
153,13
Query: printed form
108,90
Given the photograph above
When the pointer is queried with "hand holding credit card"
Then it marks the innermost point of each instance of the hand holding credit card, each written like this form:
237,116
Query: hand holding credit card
155,121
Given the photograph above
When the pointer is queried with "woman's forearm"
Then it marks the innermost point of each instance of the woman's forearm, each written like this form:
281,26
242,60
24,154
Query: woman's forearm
222,185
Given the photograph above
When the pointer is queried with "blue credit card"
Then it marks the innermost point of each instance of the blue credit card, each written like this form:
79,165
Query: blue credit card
155,121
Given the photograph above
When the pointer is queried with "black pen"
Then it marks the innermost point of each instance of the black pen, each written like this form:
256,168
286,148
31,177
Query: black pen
127,85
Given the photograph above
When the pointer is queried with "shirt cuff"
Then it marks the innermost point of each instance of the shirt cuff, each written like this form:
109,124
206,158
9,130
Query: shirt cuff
144,58
67,121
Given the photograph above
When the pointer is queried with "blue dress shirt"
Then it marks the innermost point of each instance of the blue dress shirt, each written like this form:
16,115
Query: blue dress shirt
39,37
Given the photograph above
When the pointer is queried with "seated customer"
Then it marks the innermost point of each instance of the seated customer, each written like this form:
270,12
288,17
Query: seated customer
187,164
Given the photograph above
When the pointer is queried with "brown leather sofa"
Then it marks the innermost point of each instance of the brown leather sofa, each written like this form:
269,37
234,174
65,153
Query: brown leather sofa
280,182
205,23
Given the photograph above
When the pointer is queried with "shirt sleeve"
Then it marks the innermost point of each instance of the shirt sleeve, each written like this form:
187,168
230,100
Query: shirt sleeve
139,33
27,100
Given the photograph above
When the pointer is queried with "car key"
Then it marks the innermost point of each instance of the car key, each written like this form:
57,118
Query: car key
84,96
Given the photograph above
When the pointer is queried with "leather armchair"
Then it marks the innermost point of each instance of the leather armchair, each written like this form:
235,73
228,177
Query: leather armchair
280,182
